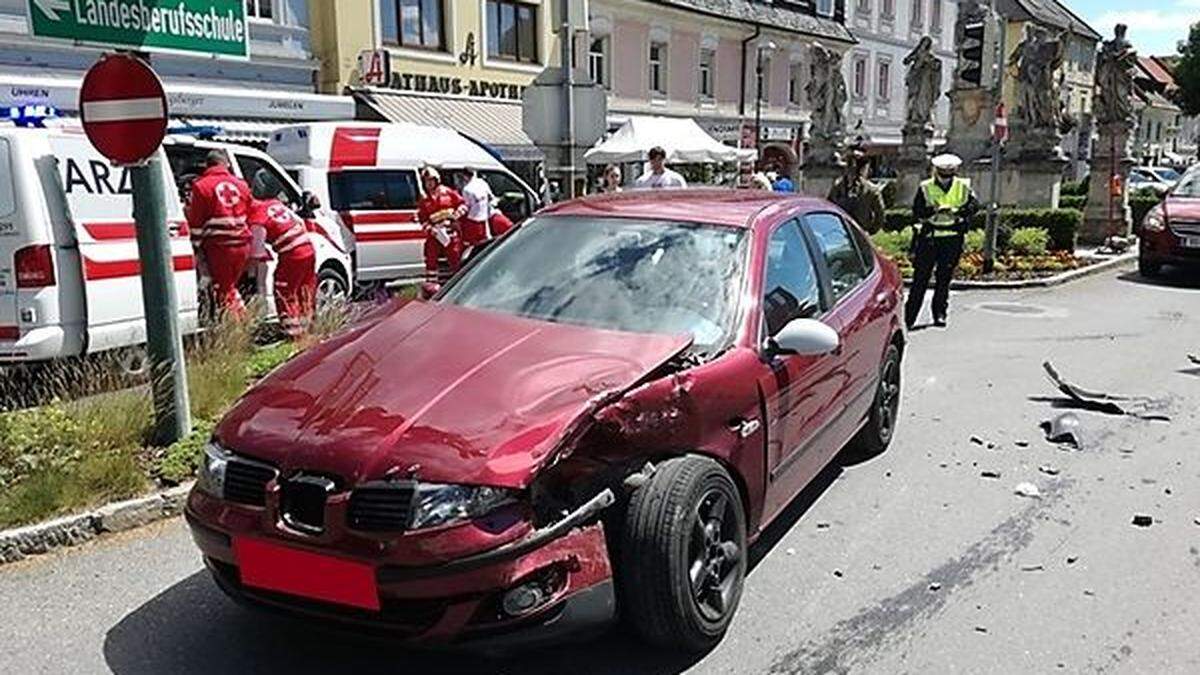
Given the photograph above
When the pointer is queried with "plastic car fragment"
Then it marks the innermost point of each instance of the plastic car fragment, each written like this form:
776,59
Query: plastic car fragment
1064,429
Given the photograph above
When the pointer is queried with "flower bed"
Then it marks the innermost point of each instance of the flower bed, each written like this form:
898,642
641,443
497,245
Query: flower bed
1025,257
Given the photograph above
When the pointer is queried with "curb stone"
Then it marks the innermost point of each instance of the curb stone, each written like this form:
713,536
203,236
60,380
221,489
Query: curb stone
19,543
1043,282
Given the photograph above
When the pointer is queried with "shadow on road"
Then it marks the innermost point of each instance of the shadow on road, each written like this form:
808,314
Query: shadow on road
193,628
1170,277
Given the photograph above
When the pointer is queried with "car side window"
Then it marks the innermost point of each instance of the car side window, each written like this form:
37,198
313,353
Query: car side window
865,248
252,165
511,198
845,264
791,288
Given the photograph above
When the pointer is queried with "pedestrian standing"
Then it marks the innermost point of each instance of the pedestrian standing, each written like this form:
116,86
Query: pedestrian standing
943,208
658,175
610,181
216,217
783,183
273,224
478,198
857,196
438,212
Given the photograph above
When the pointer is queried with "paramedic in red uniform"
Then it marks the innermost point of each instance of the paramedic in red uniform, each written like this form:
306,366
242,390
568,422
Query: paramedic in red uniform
438,213
274,224
216,216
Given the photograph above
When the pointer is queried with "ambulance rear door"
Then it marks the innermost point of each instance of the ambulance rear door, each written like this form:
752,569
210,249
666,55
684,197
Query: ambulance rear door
99,197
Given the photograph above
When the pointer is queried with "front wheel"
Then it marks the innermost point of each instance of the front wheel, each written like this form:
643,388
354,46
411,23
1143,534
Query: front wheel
332,289
876,434
1148,268
683,555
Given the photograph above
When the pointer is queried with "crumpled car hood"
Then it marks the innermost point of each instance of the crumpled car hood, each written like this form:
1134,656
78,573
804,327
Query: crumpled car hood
439,392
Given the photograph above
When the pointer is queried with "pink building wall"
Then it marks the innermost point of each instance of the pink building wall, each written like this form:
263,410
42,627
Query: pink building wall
729,79
684,57
630,52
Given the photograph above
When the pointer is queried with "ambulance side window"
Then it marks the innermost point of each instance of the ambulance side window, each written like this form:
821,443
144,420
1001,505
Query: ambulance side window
373,190
252,165
8,201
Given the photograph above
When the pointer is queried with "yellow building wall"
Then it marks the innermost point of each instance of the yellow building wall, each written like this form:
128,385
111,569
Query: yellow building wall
342,29
1078,82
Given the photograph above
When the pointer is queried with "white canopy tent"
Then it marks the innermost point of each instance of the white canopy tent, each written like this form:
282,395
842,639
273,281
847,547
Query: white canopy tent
682,138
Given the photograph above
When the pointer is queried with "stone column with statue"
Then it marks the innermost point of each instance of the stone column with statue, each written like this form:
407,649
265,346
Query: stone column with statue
827,97
1107,211
972,99
922,83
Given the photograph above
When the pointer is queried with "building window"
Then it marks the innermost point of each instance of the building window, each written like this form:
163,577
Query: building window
887,9
859,85
863,7
825,7
598,61
512,31
796,84
708,60
260,9
883,87
935,16
658,68
917,19
414,23
764,80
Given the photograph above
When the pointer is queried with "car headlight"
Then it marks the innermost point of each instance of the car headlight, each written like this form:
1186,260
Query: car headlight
438,504
1154,222
211,478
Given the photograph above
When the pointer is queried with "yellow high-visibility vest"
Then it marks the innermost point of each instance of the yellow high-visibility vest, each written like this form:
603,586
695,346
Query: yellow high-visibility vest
955,198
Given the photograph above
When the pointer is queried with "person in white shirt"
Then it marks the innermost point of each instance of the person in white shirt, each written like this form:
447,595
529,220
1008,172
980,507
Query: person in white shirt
659,176
478,198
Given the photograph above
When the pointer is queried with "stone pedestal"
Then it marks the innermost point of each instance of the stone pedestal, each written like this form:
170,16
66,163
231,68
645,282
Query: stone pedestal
970,135
912,163
818,180
1106,214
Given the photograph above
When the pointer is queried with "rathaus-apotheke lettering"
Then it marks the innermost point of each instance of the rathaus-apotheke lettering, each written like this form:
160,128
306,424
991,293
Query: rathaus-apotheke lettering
455,86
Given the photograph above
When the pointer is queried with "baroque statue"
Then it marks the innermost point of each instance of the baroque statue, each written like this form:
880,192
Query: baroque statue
826,91
1037,61
922,84
1114,81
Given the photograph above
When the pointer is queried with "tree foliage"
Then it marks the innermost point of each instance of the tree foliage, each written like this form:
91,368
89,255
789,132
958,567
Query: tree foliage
1187,72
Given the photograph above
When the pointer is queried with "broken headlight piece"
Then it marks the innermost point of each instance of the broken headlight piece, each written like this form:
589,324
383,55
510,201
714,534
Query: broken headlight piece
437,504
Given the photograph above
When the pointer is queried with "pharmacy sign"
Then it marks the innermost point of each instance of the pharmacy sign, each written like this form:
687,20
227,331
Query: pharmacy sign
210,27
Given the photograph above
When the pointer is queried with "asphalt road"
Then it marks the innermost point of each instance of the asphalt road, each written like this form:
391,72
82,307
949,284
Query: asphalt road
908,562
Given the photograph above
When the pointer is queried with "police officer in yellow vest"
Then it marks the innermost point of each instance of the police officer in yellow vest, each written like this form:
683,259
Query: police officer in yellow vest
943,208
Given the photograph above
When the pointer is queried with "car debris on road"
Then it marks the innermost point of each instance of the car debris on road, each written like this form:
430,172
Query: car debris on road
1027,490
1141,520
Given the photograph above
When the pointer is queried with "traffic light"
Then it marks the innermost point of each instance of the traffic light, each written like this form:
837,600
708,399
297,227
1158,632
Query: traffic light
970,57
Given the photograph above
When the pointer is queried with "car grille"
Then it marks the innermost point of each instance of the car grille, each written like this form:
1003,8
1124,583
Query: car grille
381,507
246,482
1190,227
302,502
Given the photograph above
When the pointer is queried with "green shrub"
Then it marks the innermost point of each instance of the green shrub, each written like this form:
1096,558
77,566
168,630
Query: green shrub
1060,224
1141,202
1028,241
1075,188
1076,202
178,462
893,244
974,242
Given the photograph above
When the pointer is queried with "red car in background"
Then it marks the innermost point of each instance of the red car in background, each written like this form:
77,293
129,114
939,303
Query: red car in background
592,420
1170,232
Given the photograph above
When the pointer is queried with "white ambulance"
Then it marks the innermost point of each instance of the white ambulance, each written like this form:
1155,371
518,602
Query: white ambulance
69,270
366,173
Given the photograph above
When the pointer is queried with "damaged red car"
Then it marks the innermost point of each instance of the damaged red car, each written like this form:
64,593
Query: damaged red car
591,422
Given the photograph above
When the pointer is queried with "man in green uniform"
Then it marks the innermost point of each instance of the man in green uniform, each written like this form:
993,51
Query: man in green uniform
943,208
856,195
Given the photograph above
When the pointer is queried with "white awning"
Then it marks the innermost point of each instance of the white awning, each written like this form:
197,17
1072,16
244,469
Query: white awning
682,139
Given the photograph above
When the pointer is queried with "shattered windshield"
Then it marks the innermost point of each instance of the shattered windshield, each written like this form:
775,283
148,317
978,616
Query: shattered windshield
1189,186
614,273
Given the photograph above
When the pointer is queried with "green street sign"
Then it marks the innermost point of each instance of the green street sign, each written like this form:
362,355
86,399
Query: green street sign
211,27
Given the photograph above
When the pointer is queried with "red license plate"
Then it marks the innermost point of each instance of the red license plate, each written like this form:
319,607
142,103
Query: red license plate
287,570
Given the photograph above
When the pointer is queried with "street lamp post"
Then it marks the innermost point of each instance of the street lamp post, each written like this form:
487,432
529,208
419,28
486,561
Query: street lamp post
758,93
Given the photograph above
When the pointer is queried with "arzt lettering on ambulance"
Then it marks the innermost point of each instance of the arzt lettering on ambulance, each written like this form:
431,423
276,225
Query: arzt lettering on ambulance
96,177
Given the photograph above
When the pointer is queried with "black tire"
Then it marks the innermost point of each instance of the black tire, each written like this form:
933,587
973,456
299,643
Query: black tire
332,287
1148,268
876,435
686,521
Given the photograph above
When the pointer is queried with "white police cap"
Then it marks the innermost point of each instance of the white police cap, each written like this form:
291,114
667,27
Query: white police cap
947,162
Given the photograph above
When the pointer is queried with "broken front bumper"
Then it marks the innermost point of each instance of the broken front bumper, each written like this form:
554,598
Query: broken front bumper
460,601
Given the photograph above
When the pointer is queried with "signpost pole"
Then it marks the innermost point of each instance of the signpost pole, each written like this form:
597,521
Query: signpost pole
164,344
991,223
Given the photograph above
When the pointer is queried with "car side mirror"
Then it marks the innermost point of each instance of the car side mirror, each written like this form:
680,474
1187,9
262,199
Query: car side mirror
309,204
806,337
428,290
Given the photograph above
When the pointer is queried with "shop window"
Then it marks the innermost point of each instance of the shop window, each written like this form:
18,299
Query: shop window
598,61
708,60
260,9
859,83
883,88
512,31
796,84
658,68
917,18
419,24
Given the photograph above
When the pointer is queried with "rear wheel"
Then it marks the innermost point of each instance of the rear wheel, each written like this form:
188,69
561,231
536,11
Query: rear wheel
332,288
877,434
683,555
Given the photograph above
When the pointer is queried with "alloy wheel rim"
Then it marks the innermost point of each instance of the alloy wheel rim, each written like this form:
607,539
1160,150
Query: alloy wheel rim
889,397
329,291
714,555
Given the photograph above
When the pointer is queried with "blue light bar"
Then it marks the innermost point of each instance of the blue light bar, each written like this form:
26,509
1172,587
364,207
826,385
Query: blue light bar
29,115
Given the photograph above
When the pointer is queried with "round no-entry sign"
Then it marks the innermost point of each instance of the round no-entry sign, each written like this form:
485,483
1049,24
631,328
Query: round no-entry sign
124,108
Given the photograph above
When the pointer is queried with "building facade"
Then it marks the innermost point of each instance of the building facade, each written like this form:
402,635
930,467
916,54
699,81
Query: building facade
244,99
457,63
887,31
1163,134
739,68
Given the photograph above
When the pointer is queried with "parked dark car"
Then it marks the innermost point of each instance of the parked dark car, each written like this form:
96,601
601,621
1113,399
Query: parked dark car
1170,232
595,418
